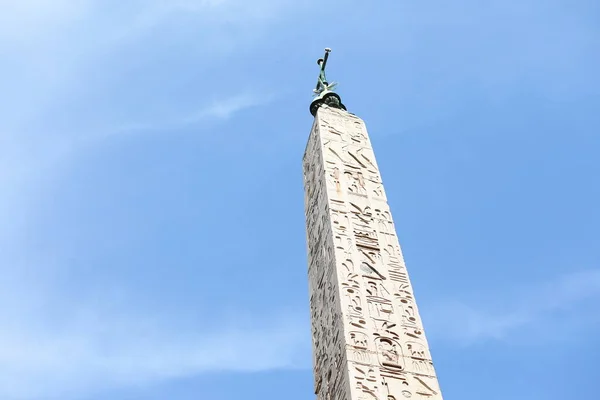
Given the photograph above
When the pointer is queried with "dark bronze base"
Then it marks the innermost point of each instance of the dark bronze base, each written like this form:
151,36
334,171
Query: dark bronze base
329,98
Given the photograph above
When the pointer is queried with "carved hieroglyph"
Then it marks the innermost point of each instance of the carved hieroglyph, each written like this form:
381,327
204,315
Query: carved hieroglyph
368,340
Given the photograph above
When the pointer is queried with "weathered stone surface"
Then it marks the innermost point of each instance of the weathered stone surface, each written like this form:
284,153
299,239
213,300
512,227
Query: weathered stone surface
368,340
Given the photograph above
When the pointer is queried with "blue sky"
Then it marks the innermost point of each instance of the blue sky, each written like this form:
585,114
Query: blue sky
152,240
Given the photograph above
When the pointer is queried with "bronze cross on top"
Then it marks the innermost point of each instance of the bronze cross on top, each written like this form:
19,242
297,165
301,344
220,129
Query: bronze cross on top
322,83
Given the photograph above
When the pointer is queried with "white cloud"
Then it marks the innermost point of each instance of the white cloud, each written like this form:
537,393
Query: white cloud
221,109
25,19
91,348
226,108
50,46
537,312
51,346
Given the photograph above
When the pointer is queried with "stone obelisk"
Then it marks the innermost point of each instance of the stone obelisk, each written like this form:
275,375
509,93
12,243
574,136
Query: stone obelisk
368,339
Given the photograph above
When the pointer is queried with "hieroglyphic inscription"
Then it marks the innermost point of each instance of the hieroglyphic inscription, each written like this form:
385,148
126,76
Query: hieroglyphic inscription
368,339
327,233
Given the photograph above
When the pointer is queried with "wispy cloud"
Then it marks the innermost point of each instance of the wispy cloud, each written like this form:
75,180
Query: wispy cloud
226,108
536,312
54,47
221,109
51,345
94,349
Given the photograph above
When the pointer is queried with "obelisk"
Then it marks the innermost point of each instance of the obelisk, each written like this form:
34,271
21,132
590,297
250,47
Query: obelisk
368,339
